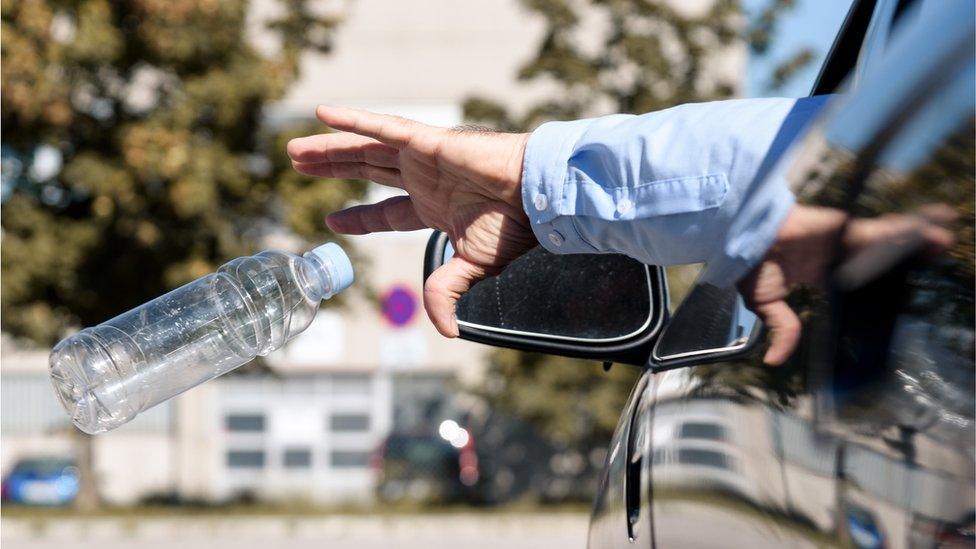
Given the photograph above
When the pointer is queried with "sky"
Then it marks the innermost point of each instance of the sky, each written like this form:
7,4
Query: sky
811,23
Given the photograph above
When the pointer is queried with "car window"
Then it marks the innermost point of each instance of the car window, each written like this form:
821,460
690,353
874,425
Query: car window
904,303
43,466
865,436
890,335
419,451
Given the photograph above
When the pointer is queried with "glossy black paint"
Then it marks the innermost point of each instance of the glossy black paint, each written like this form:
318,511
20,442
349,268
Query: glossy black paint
865,438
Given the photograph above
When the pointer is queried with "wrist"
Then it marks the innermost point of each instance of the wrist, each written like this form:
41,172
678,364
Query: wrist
515,169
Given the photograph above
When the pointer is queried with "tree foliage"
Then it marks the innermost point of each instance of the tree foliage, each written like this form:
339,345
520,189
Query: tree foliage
650,55
574,405
135,154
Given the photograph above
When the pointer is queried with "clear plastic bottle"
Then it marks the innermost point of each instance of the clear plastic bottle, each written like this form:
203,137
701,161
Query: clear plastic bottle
104,376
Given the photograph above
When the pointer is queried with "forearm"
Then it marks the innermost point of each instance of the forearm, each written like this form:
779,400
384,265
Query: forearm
662,187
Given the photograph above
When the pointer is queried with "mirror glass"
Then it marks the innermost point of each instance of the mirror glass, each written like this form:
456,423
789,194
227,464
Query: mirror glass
584,298
709,320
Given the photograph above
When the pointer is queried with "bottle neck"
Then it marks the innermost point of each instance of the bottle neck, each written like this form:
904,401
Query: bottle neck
318,281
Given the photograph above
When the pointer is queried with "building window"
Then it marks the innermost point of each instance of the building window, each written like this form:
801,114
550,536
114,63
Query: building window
245,459
245,423
297,458
346,458
343,423
351,384
707,458
701,430
693,456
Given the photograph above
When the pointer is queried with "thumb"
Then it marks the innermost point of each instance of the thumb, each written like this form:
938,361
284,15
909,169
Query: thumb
784,330
444,287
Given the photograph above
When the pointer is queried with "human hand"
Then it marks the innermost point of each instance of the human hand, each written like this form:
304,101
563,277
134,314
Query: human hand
805,250
466,183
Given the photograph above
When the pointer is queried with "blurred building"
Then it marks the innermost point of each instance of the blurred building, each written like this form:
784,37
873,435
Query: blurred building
303,428
306,427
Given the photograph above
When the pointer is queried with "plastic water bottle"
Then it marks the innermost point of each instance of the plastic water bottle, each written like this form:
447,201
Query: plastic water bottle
106,375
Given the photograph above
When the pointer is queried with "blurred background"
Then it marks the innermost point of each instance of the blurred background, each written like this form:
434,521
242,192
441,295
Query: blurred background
143,146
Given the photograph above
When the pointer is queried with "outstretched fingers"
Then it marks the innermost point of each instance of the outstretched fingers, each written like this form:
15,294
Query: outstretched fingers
342,147
352,170
444,287
392,214
391,130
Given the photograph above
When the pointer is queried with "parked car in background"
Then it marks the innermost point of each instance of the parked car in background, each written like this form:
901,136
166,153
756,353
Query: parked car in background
49,481
428,467
866,436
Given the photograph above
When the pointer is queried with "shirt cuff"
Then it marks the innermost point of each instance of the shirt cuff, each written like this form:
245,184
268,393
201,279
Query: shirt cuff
752,234
544,168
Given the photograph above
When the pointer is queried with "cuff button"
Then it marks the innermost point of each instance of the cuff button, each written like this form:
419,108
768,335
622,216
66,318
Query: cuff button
556,238
541,202
624,206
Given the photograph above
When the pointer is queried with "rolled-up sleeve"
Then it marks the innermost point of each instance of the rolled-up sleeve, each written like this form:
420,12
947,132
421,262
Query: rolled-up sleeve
663,188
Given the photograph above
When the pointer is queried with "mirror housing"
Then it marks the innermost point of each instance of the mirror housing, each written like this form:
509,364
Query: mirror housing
711,325
555,304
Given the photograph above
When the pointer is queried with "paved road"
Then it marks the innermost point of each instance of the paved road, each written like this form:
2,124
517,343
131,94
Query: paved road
474,531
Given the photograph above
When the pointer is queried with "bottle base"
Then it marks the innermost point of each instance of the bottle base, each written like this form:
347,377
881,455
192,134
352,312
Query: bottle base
93,407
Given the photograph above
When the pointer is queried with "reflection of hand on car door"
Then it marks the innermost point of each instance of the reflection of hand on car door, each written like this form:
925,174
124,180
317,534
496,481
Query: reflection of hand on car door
805,249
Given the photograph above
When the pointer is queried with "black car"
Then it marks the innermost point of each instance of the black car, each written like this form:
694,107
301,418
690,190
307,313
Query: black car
427,467
865,437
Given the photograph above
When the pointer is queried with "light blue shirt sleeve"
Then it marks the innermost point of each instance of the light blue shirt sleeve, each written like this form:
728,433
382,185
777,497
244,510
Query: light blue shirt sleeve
665,187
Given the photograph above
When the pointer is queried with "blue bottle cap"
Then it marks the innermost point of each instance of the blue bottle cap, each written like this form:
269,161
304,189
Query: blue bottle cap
336,260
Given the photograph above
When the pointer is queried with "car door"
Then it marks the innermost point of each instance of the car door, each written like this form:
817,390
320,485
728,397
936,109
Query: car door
622,511
865,437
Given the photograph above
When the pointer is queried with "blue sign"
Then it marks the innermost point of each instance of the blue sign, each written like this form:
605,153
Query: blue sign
399,306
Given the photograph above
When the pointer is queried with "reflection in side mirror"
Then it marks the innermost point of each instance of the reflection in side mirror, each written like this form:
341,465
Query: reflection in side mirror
712,324
603,307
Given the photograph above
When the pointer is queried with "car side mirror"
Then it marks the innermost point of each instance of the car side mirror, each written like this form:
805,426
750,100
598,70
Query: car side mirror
711,325
608,308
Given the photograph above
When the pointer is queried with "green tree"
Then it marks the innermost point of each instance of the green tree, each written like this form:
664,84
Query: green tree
653,55
135,154
761,34
574,403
